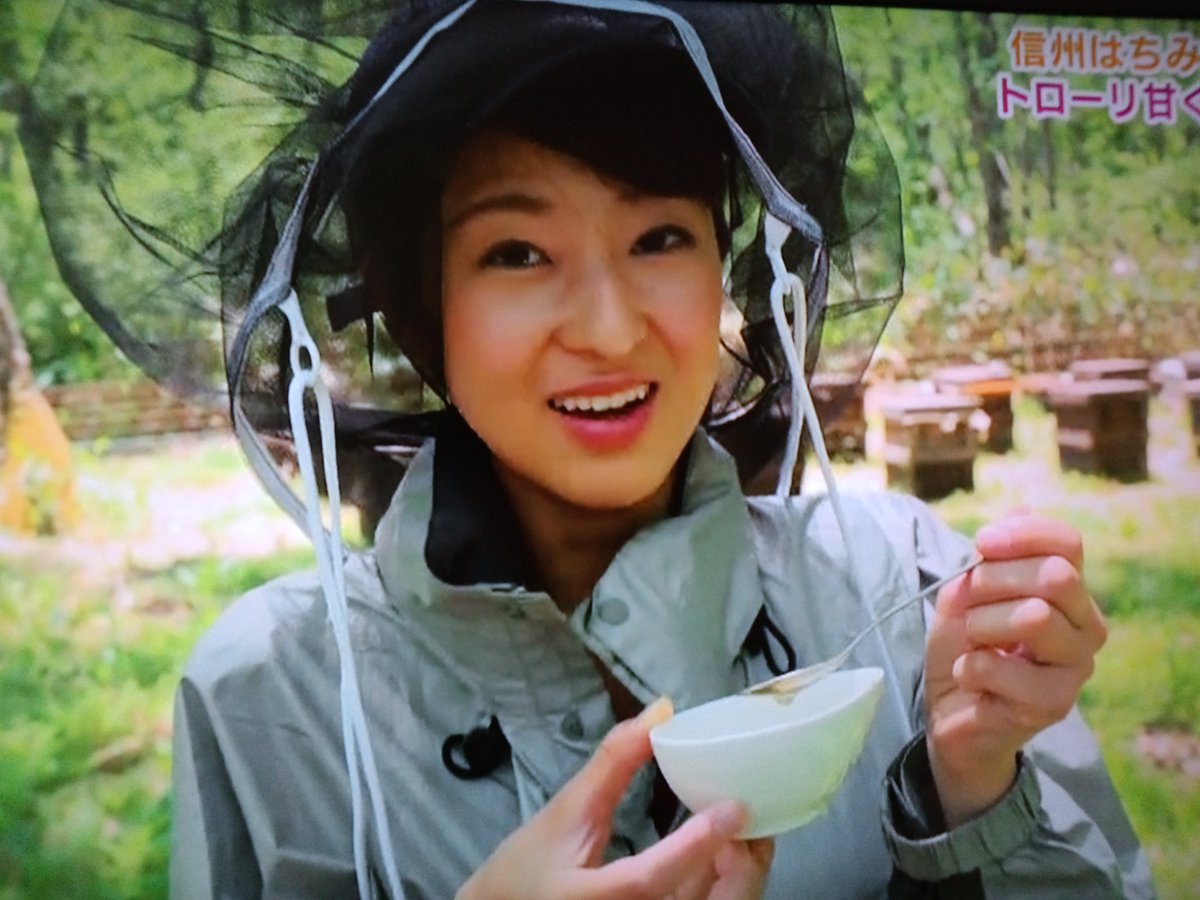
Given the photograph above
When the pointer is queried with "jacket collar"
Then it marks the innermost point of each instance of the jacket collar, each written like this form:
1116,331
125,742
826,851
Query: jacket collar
473,536
669,617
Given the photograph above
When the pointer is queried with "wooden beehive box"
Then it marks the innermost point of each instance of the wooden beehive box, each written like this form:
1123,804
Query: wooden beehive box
1039,386
992,383
1191,390
839,402
1102,427
1191,364
930,444
1118,368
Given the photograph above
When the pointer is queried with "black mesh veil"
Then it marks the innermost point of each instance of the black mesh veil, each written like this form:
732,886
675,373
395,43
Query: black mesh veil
169,161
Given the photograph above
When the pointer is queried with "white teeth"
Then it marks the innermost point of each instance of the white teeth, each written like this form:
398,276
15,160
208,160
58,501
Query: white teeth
602,404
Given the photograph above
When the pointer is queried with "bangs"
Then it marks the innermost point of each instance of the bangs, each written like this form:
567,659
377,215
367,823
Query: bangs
644,119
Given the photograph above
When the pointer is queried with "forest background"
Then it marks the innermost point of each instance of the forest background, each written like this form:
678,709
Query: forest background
1026,239
1030,240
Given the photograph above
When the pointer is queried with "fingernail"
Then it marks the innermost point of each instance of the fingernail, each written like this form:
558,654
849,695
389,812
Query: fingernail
728,818
959,665
987,533
995,536
656,713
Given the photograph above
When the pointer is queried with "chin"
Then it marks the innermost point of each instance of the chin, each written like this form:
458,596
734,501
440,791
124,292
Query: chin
609,491
620,481
607,500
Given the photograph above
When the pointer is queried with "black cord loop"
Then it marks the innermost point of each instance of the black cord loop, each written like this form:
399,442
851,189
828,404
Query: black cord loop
757,641
481,751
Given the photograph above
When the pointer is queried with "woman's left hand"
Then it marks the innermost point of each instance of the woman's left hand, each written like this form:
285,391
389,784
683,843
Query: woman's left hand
1011,645
557,854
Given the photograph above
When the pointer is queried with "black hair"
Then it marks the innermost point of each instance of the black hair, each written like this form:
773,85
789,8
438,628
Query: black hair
641,118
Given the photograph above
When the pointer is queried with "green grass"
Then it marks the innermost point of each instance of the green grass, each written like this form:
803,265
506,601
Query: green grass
86,688
93,635
1148,674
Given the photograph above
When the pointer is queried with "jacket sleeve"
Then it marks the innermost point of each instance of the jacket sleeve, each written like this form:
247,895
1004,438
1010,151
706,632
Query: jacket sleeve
1060,831
212,855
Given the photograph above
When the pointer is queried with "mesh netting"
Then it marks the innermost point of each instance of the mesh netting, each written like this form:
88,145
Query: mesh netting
169,149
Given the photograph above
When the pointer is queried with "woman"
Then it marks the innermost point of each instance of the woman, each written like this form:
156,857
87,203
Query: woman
550,253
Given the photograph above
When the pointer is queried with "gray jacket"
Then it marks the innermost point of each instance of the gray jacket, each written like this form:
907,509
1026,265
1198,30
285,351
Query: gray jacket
262,798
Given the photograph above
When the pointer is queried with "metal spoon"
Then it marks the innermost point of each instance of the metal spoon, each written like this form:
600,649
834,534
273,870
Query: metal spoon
784,687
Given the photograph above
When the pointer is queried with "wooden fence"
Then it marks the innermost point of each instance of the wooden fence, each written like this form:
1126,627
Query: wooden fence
128,409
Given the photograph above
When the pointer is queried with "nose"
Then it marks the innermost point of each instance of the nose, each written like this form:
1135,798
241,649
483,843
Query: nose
604,316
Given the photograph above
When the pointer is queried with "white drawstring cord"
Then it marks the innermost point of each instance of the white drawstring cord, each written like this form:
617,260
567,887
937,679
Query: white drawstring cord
275,292
360,760
306,364
794,342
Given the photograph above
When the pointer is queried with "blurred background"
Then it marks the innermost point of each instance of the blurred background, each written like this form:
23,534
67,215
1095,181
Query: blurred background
1047,353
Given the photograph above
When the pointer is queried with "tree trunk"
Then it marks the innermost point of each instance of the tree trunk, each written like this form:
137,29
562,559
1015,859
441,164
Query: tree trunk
918,144
975,50
37,488
1049,165
9,336
5,374
1027,157
10,62
15,369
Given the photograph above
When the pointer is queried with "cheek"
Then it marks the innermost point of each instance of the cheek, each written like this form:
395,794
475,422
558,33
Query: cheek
467,343
458,338
486,343
692,331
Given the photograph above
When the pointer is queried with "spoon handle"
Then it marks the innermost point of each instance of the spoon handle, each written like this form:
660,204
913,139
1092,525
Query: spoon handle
909,601
784,686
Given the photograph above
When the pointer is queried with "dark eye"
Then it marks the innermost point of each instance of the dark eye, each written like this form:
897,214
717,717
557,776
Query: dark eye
513,255
663,239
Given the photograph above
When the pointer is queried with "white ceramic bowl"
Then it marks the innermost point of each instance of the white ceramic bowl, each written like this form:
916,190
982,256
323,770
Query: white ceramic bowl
782,761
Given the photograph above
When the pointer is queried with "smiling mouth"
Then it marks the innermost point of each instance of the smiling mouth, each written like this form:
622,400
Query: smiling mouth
605,406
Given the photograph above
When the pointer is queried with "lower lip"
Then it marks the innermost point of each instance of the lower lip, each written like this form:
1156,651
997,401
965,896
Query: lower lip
611,433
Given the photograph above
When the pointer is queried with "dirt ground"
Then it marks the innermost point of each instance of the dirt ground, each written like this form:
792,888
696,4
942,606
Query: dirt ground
141,514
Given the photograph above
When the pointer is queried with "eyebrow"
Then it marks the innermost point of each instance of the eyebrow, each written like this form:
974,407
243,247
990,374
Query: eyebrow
508,202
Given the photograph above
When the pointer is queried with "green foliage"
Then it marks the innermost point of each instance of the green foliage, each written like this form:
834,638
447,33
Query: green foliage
1124,582
1181,710
63,341
1147,675
87,687
169,162
61,671
1105,218
92,641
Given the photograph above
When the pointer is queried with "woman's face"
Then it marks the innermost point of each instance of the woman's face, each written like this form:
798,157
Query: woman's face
580,320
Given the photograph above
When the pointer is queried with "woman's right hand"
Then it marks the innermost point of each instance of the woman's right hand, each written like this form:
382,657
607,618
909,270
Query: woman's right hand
556,855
